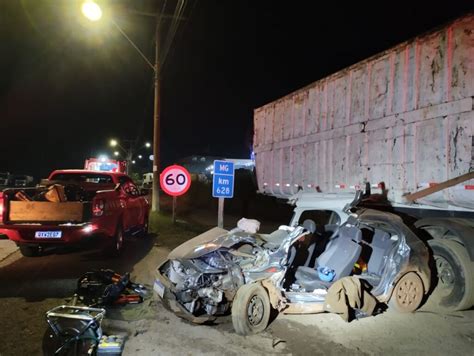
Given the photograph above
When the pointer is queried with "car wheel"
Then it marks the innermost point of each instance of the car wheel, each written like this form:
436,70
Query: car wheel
407,294
455,271
29,251
251,309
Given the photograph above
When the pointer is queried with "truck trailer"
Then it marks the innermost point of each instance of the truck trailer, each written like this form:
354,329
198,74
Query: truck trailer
400,123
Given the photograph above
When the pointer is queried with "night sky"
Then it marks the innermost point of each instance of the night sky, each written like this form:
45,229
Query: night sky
67,85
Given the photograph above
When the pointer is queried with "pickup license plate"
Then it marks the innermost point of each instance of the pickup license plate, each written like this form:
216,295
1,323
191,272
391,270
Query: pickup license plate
159,288
48,234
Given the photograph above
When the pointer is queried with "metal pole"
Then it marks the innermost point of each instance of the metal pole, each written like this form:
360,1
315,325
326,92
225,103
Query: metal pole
155,205
220,213
173,217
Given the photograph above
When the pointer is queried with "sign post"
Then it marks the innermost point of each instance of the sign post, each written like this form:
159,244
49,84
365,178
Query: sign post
222,186
175,181
173,213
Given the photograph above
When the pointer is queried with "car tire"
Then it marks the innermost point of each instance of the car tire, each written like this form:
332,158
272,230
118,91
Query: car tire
251,309
29,251
407,293
455,271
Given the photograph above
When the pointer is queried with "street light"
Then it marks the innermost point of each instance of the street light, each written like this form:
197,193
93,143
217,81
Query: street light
140,157
147,145
93,12
116,153
113,143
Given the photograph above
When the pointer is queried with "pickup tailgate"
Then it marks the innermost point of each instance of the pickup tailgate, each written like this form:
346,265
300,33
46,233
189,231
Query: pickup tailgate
39,211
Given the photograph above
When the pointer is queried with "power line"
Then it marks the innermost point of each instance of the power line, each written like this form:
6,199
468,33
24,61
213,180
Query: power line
172,30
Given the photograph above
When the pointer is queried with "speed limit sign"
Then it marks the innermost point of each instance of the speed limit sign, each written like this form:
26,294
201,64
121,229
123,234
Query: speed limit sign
175,180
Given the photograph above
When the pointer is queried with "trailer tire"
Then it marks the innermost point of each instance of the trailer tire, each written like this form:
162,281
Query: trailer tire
29,251
251,309
455,271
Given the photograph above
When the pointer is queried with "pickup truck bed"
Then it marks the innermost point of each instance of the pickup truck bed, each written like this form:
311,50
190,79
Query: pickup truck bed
84,211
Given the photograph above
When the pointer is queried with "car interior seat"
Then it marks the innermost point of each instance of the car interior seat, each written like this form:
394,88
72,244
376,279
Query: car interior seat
340,255
381,244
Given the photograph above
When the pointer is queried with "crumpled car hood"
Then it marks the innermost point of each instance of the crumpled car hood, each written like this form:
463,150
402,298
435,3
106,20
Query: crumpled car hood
189,247
210,241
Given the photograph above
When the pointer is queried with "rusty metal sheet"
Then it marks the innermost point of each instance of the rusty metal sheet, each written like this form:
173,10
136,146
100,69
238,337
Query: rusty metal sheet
404,118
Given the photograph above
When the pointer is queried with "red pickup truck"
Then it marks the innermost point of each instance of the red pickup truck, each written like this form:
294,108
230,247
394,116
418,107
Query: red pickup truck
71,206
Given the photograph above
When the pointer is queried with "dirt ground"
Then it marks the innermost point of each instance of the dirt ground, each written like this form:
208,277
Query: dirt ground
422,333
150,329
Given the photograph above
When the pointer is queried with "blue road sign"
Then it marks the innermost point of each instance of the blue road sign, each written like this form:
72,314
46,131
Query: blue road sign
223,181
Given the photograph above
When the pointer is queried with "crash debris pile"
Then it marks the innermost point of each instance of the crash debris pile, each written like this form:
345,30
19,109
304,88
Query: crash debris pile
77,327
106,287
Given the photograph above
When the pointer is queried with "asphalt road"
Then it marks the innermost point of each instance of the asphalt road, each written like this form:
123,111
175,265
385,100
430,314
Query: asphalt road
31,286
55,274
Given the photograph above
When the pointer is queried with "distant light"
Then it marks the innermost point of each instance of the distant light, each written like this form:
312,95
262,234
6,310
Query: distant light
140,156
151,157
103,158
91,10
116,153
113,143
148,144
133,162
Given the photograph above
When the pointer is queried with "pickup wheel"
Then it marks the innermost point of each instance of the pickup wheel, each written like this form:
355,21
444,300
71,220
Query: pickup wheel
29,251
115,246
455,271
144,230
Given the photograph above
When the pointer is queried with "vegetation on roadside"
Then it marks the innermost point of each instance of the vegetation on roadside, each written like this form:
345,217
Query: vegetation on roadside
173,234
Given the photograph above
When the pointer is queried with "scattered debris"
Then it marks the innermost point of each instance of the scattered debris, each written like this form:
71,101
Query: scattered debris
105,287
78,328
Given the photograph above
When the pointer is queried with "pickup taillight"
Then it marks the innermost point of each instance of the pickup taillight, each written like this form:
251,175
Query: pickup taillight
98,207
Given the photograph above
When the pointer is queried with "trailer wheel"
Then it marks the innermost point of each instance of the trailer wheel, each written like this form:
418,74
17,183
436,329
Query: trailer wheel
455,287
29,251
407,294
251,309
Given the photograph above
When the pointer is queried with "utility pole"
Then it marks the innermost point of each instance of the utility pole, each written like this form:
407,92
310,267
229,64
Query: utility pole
155,200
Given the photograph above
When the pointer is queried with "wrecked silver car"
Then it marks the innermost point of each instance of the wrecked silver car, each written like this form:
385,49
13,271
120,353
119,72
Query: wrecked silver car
293,269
